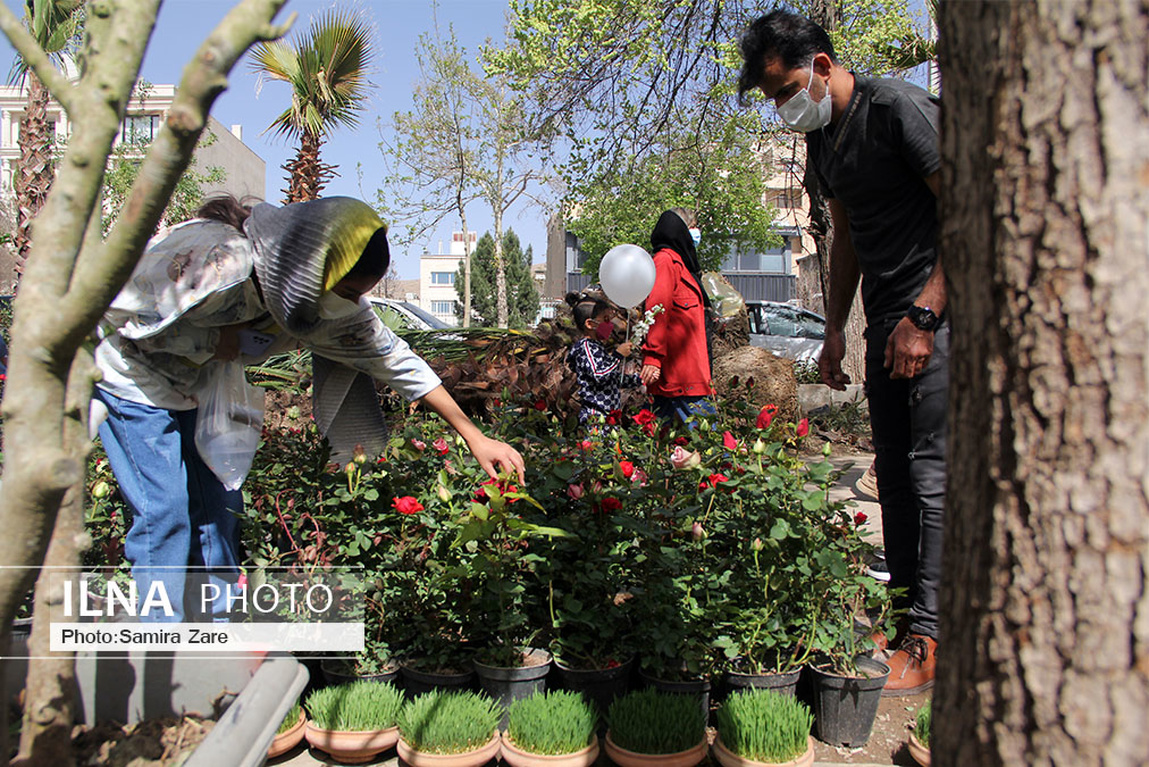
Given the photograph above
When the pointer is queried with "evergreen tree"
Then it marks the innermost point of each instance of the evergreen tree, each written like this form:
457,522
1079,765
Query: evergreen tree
522,297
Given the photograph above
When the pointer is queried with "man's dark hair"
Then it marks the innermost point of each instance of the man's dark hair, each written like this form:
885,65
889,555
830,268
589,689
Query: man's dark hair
792,38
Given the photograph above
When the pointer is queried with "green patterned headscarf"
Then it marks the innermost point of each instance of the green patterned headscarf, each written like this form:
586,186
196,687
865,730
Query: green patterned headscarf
302,250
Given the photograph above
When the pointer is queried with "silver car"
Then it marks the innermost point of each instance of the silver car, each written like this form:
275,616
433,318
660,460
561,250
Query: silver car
403,315
786,330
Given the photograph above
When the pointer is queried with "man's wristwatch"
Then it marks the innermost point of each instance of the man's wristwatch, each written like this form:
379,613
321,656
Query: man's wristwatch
924,318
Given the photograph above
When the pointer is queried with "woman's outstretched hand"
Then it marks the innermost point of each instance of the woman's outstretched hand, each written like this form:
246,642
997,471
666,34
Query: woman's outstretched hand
491,453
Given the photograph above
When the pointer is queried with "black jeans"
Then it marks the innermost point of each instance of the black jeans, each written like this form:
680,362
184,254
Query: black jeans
909,422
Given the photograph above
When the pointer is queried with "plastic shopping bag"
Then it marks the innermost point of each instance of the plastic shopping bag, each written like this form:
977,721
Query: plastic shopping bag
229,423
725,299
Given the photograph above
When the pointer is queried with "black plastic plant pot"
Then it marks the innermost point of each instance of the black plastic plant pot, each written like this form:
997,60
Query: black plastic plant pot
600,685
416,682
335,672
508,684
699,688
785,683
845,706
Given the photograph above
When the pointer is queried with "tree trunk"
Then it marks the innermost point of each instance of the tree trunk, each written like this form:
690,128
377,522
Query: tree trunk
72,276
466,267
36,168
826,14
46,735
307,174
497,207
1045,605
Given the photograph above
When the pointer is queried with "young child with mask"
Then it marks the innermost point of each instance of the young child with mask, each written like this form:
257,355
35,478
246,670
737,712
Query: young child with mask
598,369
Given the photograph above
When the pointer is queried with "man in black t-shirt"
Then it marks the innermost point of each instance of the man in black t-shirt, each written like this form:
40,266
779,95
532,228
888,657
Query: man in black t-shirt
874,146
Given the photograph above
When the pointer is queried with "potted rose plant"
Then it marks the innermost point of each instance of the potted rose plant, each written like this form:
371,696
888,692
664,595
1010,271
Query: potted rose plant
500,538
848,682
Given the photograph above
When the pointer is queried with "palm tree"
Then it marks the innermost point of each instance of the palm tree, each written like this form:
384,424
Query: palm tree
56,25
327,70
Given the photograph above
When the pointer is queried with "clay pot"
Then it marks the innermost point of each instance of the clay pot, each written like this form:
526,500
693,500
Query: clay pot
624,758
352,747
285,741
728,758
516,757
475,758
920,753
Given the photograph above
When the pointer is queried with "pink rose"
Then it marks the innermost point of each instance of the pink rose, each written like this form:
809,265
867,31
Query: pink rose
681,458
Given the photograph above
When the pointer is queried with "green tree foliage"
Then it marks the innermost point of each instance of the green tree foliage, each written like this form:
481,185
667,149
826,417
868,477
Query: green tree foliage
326,68
522,297
723,182
468,138
635,89
431,152
124,168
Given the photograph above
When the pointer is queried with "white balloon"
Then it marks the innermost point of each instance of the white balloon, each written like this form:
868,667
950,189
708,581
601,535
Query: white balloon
627,275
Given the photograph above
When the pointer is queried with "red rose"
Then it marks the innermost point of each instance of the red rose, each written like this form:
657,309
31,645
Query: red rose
540,404
586,444
648,429
627,468
716,478
406,505
860,518
611,504
766,416
644,417
681,441
441,445
728,441
803,427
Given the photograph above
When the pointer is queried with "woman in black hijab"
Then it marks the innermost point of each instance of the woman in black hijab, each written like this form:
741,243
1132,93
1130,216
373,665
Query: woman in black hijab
676,359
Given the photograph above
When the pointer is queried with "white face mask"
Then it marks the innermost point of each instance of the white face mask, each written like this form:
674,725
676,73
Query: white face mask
334,307
696,235
804,114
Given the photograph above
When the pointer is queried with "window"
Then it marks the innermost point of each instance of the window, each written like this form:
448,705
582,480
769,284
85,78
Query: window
442,278
139,129
443,307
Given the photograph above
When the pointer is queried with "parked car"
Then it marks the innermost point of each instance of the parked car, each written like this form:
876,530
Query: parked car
786,330
403,315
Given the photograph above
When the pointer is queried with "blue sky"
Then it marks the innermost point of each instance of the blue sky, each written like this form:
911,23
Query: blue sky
183,25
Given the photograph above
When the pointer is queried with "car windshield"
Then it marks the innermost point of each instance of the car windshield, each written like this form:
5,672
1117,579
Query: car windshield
434,322
782,320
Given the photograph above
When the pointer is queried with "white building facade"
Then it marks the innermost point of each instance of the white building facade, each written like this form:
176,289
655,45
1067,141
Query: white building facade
438,293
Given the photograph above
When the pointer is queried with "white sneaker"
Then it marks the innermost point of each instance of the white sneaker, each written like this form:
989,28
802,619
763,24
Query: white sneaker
867,485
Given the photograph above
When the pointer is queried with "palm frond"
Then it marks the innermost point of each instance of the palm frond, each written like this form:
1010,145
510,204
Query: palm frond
326,67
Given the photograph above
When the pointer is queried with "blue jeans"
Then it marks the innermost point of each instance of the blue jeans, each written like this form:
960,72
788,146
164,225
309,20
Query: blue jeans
682,408
909,424
181,514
